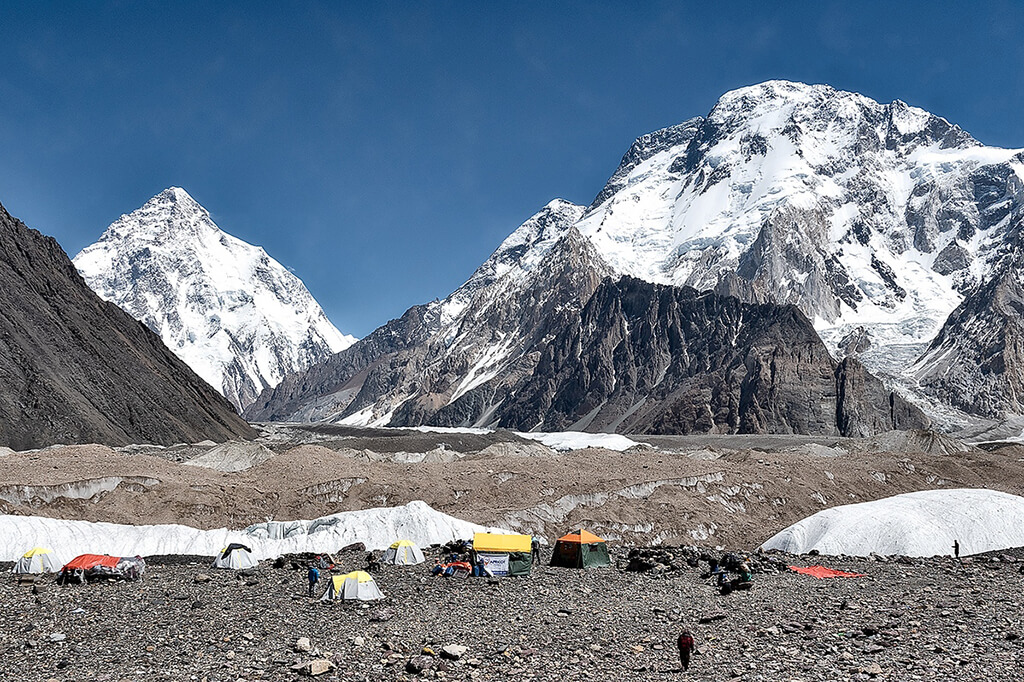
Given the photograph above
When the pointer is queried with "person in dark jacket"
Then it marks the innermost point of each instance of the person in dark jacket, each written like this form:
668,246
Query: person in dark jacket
686,648
313,575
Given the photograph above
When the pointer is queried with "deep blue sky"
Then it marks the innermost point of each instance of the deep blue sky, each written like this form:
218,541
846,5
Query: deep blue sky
382,151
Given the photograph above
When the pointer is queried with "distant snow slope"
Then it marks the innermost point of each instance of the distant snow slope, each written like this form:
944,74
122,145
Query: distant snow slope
236,316
376,528
914,524
576,440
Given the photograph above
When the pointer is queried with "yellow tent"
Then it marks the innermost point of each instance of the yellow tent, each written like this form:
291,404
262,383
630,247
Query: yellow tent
493,542
355,585
38,560
504,554
403,553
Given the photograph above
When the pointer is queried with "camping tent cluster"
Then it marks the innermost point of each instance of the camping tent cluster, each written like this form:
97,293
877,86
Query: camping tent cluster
360,585
496,554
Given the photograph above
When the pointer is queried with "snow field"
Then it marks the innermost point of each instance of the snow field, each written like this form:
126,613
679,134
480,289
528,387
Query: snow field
920,524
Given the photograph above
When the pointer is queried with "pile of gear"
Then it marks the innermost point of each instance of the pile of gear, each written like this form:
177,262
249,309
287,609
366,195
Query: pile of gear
93,567
730,572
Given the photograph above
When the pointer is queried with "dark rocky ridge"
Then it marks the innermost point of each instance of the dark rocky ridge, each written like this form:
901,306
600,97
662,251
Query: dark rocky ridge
646,358
342,375
624,356
416,358
976,362
75,369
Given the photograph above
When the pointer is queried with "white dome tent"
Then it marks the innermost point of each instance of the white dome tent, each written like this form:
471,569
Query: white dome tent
38,560
403,553
235,557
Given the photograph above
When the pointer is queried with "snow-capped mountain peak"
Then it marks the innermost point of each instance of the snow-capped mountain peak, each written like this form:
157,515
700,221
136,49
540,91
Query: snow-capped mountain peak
874,219
230,311
863,214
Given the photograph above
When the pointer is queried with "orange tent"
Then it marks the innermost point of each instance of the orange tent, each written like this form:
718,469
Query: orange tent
101,566
581,549
581,536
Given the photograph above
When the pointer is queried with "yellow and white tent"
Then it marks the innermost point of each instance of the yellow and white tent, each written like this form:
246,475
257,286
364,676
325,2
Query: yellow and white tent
38,560
355,585
403,553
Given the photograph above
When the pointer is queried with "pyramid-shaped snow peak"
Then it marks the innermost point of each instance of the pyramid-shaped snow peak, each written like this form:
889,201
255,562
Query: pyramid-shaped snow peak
239,318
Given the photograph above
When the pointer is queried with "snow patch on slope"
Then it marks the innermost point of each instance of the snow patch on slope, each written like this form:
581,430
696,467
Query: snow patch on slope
576,440
556,440
914,524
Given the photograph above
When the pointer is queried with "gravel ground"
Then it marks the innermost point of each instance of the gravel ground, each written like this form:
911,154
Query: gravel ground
931,619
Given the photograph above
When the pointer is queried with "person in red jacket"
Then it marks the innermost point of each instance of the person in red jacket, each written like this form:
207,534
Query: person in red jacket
686,648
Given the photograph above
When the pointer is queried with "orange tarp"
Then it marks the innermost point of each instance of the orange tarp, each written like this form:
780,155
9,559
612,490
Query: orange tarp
87,561
581,537
822,572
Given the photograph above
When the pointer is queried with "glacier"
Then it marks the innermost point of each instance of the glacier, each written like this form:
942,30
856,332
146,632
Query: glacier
920,524
376,528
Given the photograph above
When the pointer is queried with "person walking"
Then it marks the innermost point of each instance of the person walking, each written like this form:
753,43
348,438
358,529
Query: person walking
313,575
686,648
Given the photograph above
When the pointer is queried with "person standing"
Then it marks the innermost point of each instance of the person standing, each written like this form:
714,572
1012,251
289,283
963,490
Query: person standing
686,648
313,575
956,549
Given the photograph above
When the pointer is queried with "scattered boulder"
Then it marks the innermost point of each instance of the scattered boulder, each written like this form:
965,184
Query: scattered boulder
454,651
417,665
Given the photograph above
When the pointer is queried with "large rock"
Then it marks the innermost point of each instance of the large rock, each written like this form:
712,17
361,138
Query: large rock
75,369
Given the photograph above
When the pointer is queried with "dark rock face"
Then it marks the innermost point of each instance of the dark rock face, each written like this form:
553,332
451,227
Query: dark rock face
75,369
343,375
646,358
976,362
630,356
865,407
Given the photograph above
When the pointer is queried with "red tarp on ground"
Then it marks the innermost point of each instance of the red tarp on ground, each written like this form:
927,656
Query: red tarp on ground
87,561
822,572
